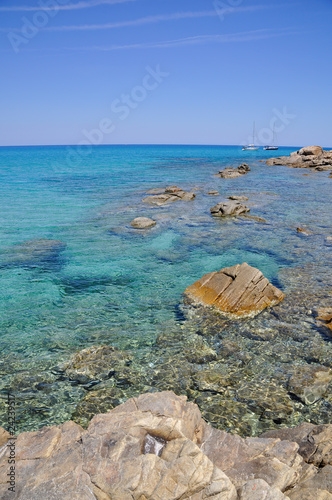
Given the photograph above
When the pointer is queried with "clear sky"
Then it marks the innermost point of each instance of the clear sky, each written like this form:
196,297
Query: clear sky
165,71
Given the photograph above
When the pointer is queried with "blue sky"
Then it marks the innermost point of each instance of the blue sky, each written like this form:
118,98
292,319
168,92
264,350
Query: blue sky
165,71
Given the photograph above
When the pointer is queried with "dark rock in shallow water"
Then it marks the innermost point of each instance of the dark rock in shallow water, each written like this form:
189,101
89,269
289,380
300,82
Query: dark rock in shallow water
32,253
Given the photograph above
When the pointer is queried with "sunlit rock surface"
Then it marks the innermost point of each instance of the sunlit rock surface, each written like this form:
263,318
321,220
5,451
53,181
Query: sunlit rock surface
157,447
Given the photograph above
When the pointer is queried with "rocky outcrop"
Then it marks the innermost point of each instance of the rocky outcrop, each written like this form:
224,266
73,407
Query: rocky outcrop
157,447
315,441
142,223
231,172
231,207
36,252
239,291
310,157
169,195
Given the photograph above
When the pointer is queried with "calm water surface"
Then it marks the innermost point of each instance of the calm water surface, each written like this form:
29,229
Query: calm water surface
114,285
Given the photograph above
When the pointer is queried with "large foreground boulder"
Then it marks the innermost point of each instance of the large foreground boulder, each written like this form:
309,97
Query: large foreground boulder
239,291
155,447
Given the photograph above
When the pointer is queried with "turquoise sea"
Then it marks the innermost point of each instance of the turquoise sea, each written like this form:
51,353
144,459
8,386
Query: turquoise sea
117,286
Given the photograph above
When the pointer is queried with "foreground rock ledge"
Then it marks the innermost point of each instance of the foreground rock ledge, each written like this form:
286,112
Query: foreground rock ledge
238,292
157,447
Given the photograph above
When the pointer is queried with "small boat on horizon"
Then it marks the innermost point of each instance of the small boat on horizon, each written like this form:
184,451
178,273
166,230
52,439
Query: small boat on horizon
271,148
251,147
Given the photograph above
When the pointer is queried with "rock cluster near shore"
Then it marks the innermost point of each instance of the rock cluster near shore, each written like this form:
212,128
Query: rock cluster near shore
232,173
238,292
310,157
158,447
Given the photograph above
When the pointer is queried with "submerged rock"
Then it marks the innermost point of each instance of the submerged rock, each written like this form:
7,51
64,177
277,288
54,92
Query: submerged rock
169,195
156,446
309,383
239,291
231,207
238,198
142,223
32,253
96,363
324,317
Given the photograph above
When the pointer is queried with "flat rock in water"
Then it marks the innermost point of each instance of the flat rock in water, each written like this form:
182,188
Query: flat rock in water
231,207
142,223
168,195
213,193
238,198
239,291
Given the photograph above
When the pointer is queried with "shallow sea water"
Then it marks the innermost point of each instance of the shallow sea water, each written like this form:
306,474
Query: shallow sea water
118,286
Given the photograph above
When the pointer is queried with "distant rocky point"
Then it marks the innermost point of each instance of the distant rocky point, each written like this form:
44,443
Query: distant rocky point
310,157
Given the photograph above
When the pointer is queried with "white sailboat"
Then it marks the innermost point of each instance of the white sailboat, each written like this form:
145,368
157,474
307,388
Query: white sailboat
273,147
251,147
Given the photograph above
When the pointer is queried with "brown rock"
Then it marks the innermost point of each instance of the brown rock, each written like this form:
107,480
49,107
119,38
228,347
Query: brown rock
324,317
238,291
213,193
4,436
154,447
309,383
142,223
255,218
259,489
315,441
317,487
311,151
304,231
238,198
